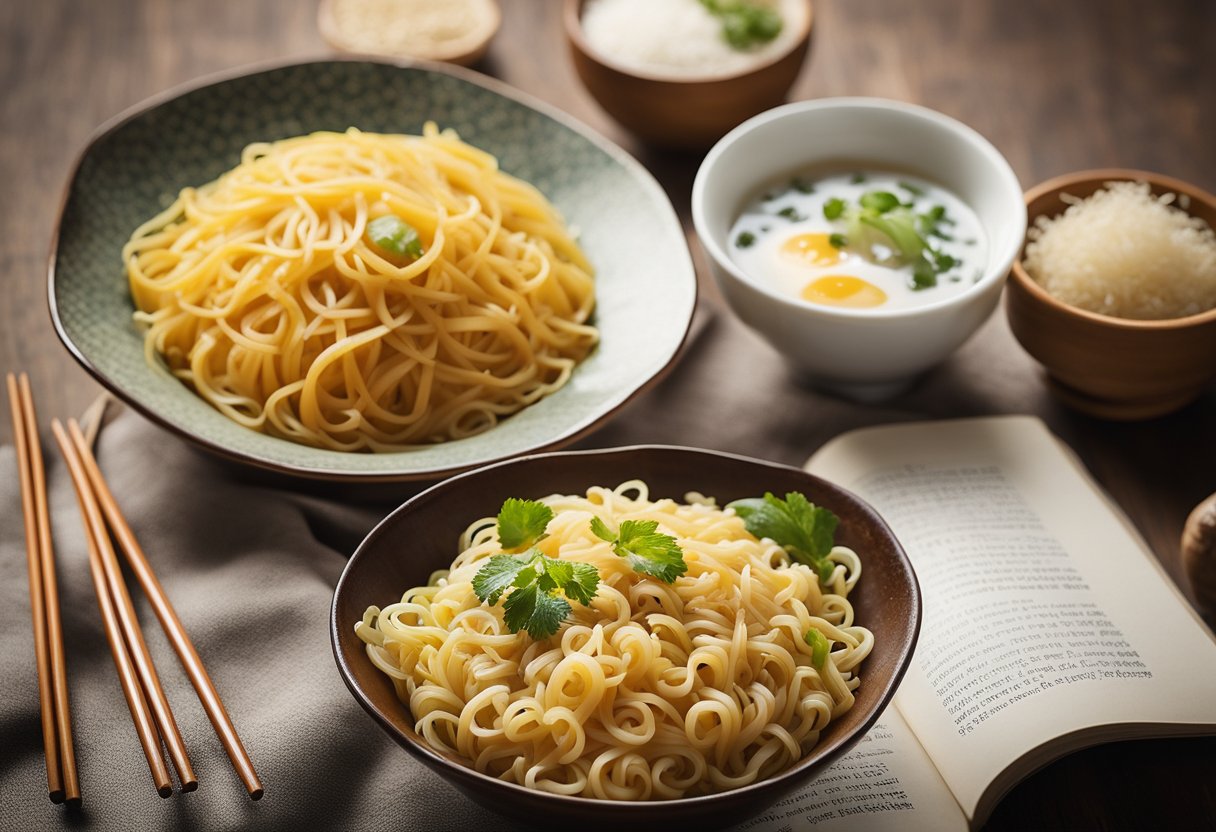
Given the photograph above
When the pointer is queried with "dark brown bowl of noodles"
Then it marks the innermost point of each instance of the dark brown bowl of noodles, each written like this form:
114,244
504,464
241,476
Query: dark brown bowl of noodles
871,578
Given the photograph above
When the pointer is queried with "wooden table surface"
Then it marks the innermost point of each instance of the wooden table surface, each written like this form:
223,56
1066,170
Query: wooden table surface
1057,86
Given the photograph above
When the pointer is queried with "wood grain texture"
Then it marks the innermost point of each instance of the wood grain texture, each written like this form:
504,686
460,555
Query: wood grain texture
1056,86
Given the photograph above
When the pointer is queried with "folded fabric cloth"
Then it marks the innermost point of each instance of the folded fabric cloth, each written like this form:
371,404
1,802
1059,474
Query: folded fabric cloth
251,570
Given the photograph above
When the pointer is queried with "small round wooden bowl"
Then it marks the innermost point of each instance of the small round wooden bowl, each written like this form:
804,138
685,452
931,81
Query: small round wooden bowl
688,113
421,536
1113,368
463,51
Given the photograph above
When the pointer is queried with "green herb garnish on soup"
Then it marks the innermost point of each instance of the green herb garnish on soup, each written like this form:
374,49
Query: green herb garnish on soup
862,240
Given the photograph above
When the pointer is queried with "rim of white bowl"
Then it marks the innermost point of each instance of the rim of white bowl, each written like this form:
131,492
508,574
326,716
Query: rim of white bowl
1003,260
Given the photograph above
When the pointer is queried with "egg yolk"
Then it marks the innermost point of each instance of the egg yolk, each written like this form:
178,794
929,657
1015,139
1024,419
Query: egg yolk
844,290
811,250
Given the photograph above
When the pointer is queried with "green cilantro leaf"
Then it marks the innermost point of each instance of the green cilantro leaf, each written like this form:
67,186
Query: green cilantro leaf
648,550
394,235
582,585
522,523
803,529
537,584
540,613
497,575
555,574
820,645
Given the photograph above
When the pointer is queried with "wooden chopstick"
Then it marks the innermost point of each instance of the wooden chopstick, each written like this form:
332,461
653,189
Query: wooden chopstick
62,782
167,615
137,648
127,673
50,589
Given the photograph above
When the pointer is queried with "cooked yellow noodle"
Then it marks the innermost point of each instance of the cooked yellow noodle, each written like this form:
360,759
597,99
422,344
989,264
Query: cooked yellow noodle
261,291
654,691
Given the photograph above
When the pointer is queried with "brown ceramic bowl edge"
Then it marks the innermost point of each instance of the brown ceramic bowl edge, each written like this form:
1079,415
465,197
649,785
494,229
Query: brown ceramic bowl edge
572,18
1062,183
716,809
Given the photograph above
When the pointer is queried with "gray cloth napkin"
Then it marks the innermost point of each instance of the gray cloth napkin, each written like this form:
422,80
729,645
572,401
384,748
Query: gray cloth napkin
251,566
250,569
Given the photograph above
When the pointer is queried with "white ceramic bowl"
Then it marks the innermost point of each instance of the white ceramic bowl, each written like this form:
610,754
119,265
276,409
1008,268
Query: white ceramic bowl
861,353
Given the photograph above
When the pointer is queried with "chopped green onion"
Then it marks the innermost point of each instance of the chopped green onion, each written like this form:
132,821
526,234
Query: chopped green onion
745,24
838,240
833,208
820,646
745,239
858,178
790,213
802,186
393,235
915,190
924,276
880,201
901,232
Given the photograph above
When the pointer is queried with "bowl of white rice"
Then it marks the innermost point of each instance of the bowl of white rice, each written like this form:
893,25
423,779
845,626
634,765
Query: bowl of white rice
1115,291
682,73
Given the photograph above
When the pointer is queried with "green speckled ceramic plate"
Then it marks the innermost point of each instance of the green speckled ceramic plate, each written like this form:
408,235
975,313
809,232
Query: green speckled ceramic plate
135,166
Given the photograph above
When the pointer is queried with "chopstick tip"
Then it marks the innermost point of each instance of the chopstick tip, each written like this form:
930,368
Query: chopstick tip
256,794
164,791
56,795
189,786
73,802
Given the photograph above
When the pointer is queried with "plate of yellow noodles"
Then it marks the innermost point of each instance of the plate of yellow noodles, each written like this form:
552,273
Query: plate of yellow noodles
657,636
354,270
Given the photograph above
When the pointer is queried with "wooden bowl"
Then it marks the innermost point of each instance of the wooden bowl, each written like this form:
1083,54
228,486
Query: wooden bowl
683,112
1113,368
421,536
465,50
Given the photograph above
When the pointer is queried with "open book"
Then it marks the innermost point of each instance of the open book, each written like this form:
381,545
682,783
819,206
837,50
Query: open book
1048,627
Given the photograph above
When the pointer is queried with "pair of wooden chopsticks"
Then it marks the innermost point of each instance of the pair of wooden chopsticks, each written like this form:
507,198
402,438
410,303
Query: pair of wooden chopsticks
150,709
62,782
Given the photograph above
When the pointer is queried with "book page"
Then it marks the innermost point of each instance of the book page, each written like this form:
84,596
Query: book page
884,784
1044,616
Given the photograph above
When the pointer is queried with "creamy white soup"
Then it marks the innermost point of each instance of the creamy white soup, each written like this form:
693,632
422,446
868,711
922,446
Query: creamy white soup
861,239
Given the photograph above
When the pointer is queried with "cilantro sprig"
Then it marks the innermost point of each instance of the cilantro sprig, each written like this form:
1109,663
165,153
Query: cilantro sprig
648,550
535,580
803,529
536,586
522,523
